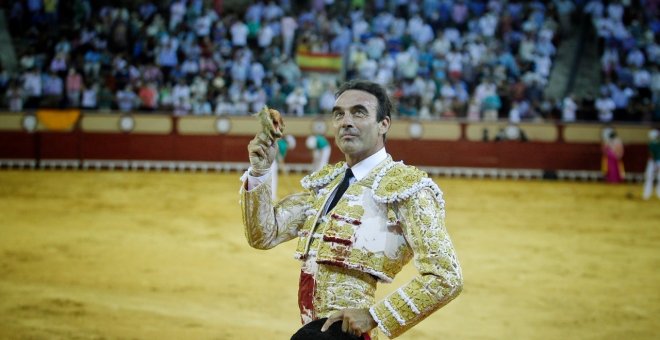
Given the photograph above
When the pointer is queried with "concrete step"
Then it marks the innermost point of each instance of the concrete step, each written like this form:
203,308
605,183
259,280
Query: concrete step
588,78
560,74
7,53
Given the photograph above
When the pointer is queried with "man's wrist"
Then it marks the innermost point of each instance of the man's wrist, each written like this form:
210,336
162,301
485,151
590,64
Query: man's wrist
257,172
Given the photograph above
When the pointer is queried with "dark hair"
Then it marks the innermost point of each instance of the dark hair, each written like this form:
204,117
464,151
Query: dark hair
312,331
385,106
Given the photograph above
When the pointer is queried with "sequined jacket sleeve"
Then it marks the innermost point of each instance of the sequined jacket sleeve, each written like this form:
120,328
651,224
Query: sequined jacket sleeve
439,279
267,223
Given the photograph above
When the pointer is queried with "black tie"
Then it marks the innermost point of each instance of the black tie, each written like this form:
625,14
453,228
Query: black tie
342,188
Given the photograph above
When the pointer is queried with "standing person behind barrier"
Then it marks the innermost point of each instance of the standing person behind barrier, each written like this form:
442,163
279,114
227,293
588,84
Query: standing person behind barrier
653,165
320,151
612,165
284,145
347,242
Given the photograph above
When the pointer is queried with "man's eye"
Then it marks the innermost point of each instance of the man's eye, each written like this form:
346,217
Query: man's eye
337,114
360,113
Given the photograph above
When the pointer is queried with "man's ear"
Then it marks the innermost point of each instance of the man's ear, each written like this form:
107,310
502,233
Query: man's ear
384,125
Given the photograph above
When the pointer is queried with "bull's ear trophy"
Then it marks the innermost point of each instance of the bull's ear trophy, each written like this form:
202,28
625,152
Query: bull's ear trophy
272,123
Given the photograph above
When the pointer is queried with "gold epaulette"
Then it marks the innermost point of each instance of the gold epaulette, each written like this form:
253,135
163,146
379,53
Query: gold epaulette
397,182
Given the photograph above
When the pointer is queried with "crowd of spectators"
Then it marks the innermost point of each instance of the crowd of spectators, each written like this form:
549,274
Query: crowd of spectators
479,60
627,34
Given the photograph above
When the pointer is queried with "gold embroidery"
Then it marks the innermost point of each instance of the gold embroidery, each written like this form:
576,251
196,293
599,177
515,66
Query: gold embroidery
423,224
323,177
398,180
339,288
411,206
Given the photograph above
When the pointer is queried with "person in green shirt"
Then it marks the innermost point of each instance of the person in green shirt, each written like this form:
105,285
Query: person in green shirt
283,146
106,99
320,148
653,165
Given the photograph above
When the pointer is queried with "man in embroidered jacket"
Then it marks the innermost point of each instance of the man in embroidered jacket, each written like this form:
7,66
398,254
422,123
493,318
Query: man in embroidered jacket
389,214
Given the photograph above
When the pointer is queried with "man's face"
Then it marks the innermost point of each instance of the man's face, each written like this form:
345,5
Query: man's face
358,134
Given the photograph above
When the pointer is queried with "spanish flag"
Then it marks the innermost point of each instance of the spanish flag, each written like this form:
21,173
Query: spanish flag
319,62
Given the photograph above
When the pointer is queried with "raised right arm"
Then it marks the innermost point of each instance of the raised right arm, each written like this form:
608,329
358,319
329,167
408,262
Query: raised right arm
267,224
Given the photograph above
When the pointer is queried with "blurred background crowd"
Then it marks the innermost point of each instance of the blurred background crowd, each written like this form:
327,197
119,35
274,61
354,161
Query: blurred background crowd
440,59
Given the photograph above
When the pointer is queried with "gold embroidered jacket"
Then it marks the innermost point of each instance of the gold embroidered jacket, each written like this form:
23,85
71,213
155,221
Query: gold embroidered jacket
393,214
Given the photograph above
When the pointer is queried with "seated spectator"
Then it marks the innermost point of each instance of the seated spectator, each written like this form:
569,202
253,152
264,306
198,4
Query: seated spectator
569,108
126,99
59,64
181,100
446,46
73,87
53,88
32,87
92,66
296,102
15,97
90,96
223,106
148,95
327,100
165,100
605,106
201,106
106,98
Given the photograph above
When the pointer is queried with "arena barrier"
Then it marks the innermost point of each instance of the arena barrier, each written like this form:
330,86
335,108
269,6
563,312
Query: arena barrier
161,142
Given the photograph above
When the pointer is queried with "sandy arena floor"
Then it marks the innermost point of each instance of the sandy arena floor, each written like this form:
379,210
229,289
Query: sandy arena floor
127,255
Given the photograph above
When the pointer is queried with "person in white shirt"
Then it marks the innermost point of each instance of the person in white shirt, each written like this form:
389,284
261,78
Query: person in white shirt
32,83
204,23
635,58
272,11
605,107
441,45
296,102
615,11
15,98
327,100
455,63
177,11
655,81
201,106
288,27
239,34
90,96
126,99
257,73
181,100
368,69
642,82
595,8
265,35
569,107
375,47
223,106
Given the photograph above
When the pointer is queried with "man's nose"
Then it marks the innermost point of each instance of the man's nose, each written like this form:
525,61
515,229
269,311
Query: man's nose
346,120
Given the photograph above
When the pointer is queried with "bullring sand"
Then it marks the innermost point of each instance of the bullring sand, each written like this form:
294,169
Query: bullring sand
131,255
